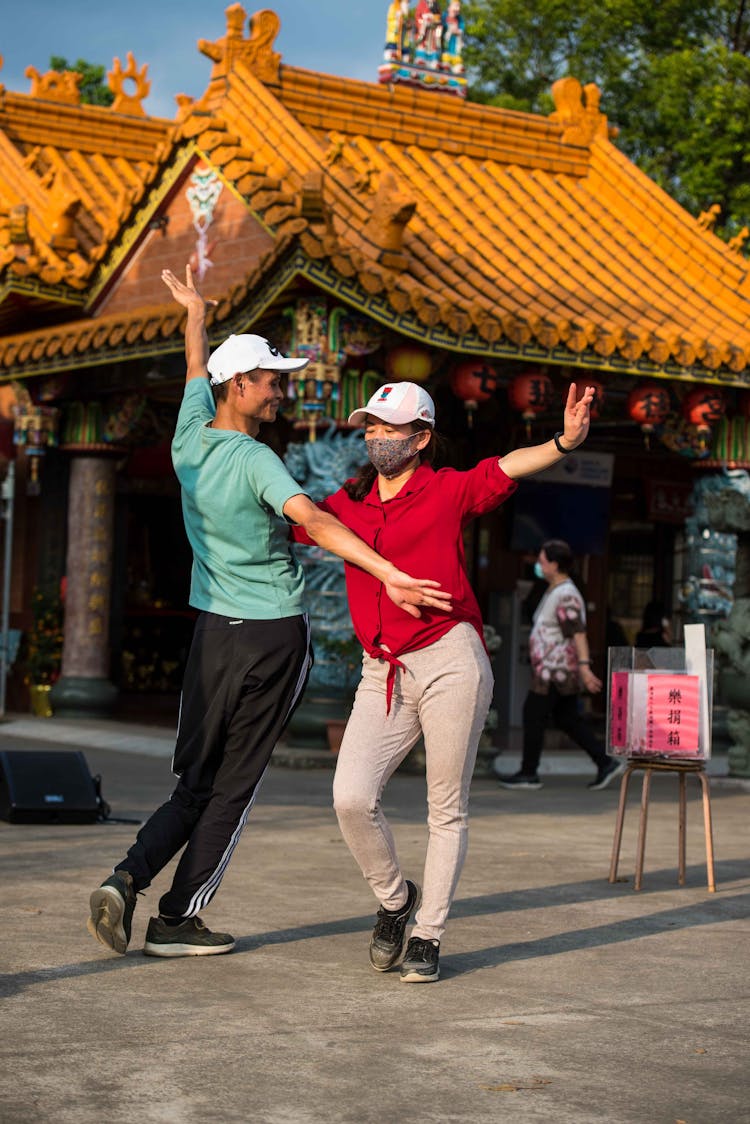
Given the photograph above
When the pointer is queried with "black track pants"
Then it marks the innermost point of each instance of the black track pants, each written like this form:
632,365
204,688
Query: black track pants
242,683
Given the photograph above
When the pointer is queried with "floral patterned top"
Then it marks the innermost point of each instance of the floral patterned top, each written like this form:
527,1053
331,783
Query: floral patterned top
554,659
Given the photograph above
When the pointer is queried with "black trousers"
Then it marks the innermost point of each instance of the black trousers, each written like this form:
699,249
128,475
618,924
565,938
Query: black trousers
242,683
563,711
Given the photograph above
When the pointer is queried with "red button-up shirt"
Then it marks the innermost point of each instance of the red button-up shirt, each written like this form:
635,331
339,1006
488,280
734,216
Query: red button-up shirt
420,531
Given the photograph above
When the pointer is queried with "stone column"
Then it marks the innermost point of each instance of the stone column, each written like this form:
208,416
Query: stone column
84,688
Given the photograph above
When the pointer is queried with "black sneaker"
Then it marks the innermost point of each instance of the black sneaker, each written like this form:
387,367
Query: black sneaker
388,935
520,780
190,938
613,767
421,964
112,908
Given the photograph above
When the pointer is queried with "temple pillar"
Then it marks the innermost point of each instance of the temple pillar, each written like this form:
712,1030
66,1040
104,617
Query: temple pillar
84,688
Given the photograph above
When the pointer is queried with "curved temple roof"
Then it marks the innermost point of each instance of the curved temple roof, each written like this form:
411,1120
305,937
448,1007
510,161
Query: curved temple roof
477,229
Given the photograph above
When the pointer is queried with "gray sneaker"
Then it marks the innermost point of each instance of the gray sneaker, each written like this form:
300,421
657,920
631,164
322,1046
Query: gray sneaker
388,935
190,938
112,908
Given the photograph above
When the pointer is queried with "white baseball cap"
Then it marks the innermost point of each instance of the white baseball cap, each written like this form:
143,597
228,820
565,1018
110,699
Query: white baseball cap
240,354
398,403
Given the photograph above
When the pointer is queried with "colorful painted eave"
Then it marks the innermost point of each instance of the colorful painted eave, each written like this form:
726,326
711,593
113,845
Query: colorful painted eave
158,330
471,228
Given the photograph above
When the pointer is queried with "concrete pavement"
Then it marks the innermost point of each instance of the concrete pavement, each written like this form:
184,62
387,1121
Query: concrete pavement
563,998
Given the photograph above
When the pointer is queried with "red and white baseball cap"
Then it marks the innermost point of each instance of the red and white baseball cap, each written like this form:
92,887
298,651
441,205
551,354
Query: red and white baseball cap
240,354
398,403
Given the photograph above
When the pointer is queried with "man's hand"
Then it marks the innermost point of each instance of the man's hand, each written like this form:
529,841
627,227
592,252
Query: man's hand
187,295
327,531
196,339
577,416
410,593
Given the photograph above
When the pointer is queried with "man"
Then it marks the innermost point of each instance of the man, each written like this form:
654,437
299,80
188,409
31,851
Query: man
250,655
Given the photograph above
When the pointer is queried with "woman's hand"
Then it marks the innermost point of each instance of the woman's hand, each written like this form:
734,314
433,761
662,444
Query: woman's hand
577,416
590,682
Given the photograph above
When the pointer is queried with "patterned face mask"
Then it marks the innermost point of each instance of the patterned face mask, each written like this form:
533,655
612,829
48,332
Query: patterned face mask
390,455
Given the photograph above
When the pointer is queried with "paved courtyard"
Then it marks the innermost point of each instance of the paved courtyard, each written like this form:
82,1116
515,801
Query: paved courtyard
563,998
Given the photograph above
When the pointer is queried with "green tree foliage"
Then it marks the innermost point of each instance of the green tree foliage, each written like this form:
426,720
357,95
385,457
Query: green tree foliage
94,90
674,77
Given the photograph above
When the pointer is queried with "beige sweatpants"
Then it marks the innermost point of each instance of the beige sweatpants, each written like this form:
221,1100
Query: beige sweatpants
444,693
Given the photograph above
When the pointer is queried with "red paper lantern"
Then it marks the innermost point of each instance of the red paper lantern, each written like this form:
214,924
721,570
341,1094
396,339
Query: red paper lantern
648,405
597,403
408,363
530,394
703,406
473,381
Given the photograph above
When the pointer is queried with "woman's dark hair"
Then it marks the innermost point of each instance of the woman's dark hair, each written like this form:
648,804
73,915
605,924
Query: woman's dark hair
653,614
557,550
361,485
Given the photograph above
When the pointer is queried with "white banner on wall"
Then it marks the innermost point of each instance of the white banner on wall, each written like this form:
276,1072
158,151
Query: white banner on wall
591,470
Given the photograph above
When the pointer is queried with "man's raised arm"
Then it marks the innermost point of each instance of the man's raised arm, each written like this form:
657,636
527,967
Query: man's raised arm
196,339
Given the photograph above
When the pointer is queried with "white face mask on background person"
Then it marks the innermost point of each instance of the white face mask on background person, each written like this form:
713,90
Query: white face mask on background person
538,571
390,455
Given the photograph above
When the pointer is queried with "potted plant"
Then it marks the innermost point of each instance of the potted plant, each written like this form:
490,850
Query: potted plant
43,654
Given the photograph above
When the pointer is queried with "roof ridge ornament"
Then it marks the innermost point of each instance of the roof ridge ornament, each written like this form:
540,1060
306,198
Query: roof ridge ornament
707,219
577,112
256,52
62,208
735,245
128,103
55,85
392,210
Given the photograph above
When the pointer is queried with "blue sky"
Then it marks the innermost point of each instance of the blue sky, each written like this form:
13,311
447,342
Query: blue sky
343,37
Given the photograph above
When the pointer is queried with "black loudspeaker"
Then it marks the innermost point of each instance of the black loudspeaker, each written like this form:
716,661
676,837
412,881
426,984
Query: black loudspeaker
47,786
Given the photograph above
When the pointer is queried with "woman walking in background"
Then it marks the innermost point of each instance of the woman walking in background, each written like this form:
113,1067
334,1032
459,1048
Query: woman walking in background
560,669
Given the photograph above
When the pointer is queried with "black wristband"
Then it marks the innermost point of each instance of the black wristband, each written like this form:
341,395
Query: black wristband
560,447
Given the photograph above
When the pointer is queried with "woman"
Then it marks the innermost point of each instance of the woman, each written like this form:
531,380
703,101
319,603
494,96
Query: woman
429,676
656,631
560,667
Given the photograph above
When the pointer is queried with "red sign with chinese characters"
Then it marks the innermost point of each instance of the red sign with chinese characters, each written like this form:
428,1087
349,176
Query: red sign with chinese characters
619,704
673,708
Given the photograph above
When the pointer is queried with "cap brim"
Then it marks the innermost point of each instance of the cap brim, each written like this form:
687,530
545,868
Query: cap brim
282,364
395,417
279,364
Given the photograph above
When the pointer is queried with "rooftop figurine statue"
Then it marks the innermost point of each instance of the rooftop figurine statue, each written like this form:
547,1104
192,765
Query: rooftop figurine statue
424,47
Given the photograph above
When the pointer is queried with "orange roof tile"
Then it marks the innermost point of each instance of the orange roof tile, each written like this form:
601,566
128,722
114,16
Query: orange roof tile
475,228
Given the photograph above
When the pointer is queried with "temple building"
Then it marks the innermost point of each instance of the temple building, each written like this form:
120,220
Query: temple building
387,229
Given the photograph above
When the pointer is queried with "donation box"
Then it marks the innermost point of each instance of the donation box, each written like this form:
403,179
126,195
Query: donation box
660,700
